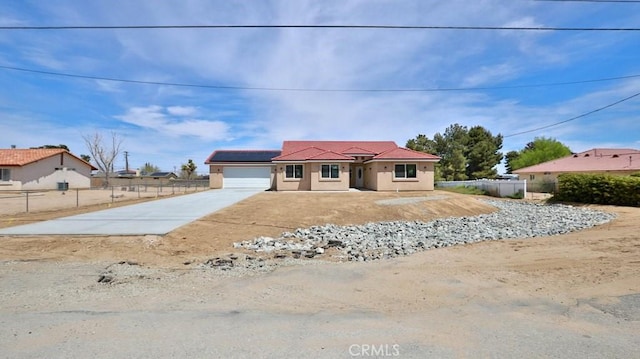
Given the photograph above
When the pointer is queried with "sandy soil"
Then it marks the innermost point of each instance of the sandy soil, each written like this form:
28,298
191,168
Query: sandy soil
267,214
41,205
575,295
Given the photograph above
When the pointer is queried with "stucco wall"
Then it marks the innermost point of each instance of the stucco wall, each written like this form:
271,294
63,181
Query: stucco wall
293,184
329,184
215,177
42,175
384,178
11,185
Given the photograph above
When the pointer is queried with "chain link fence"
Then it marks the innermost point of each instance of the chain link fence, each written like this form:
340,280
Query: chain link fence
14,202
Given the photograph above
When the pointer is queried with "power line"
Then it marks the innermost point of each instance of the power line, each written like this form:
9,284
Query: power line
368,27
450,89
574,118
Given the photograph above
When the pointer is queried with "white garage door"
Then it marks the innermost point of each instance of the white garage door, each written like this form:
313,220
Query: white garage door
247,177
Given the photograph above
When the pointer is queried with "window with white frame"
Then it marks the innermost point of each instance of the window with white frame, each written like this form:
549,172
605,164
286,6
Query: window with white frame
293,171
405,170
330,171
5,174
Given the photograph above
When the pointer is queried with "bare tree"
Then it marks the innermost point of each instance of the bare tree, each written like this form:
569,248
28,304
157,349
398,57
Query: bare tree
103,154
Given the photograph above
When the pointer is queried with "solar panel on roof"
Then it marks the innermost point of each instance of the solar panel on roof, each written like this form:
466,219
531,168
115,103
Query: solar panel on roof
243,156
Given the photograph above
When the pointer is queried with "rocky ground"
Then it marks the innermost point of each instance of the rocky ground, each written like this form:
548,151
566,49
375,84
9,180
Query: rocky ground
383,240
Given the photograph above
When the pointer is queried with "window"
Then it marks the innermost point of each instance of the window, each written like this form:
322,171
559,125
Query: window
330,171
405,171
532,177
293,171
5,174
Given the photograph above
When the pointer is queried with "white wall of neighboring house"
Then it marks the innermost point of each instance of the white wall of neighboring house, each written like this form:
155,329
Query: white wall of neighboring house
10,185
45,174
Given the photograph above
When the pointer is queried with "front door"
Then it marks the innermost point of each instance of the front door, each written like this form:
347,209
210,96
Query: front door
359,173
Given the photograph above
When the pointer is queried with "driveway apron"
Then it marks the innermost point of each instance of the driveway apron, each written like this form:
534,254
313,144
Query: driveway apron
157,217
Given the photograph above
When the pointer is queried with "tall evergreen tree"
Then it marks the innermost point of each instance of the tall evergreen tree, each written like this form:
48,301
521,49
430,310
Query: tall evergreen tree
464,153
422,143
452,146
483,153
509,157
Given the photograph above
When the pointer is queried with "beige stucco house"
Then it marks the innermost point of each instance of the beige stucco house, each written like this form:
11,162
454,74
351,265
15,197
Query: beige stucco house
325,166
612,161
42,169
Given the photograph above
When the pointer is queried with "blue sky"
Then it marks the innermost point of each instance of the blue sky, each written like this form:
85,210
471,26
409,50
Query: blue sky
167,125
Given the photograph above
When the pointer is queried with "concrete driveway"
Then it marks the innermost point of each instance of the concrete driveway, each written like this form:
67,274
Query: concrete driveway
155,217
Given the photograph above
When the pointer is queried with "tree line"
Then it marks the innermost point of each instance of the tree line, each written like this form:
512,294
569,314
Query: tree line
473,153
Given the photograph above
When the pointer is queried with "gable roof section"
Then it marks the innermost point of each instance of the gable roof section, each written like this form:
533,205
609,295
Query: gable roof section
242,156
594,160
402,153
23,156
355,150
313,153
162,174
346,150
370,147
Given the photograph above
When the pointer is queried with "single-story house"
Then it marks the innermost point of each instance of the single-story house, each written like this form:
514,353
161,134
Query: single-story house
43,169
612,161
324,166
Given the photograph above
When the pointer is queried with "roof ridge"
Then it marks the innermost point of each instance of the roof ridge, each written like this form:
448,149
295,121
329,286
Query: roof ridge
305,149
329,151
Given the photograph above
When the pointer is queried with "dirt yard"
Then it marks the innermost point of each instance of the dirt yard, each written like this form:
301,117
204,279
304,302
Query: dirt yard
572,295
44,204
267,214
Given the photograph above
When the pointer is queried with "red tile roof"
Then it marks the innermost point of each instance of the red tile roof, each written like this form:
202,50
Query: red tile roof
21,156
401,153
345,150
373,147
312,153
594,160
358,151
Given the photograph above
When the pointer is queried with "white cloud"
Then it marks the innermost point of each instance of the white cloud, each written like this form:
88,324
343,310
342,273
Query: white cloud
490,75
182,110
162,120
206,119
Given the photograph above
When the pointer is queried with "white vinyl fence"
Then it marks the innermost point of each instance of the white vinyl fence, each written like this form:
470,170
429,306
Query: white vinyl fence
496,188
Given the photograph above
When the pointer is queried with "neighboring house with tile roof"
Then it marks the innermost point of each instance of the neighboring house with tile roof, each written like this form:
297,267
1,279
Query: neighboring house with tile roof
612,161
42,169
325,166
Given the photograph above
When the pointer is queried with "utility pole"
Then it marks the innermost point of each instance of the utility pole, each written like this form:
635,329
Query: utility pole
126,161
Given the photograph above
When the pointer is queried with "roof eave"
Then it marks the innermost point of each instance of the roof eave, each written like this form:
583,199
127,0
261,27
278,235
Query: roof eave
404,159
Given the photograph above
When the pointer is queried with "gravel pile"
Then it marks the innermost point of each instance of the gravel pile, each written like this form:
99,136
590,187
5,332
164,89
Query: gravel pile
380,240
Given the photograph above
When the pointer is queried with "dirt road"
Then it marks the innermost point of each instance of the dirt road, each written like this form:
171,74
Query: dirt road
575,295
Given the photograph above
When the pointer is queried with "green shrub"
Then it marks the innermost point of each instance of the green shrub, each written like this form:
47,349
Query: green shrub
517,195
599,189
